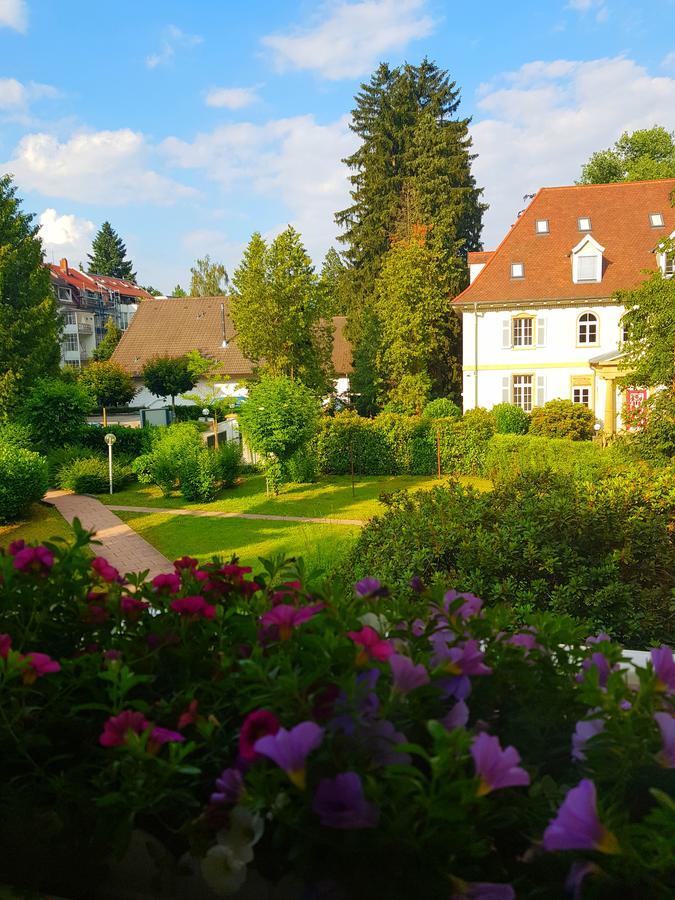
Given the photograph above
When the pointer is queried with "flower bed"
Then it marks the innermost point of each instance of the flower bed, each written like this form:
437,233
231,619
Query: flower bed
366,746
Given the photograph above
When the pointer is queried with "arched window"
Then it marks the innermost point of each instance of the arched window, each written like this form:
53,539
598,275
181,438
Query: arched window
587,328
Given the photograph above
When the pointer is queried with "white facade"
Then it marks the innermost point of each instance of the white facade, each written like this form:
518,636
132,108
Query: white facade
544,356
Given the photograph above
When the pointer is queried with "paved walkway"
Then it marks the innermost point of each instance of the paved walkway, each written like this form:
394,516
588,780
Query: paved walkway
217,514
121,545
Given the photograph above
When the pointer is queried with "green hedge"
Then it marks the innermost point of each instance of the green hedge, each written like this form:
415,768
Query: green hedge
91,476
23,480
130,442
511,454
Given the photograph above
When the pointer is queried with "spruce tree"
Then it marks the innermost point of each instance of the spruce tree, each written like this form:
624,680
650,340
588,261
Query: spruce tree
29,322
109,255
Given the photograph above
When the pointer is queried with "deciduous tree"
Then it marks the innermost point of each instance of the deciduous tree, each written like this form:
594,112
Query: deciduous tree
109,384
209,279
111,339
168,376
642,155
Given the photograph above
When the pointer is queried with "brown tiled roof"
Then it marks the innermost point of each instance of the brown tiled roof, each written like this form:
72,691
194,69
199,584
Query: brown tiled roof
619,215
478,256
174,326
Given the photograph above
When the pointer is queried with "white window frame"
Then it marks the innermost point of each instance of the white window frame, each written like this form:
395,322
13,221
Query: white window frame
656,220
70,344
586,247
584,322
578,395
582,227
517,266
666,260
541,226
522,390
522,331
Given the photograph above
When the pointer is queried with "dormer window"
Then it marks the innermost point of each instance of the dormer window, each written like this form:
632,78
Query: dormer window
541,226
656,220
517,270
587,261
584,223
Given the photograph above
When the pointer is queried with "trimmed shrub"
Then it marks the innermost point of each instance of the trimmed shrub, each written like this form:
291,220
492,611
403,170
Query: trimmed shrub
131,442
189,412
23,480
199,476
172,448
562,419
441,408
510,419
601,552
511,454
15,435
56,412
63,456
90,476
229,462
348,437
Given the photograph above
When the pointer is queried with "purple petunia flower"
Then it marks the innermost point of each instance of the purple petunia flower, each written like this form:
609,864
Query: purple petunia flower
664,669
340,803
290,749
585,730
600,662
495,767
370,587
160,736
460,662
457,717
285,618
666,724
526,640
417,585
381,740
229,788
406,676
471,607
598,638
577,826
485,890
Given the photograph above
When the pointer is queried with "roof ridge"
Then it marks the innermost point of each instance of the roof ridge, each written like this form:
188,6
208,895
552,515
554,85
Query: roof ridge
612,184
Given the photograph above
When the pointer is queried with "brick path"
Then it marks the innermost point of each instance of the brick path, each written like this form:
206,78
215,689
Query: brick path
213,513
121,545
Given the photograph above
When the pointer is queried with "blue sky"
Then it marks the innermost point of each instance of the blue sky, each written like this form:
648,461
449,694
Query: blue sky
189,126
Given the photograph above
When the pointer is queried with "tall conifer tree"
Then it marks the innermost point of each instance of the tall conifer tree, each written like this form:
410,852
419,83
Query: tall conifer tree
109,255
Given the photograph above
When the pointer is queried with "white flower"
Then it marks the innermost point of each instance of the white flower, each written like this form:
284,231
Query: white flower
224,866
378,623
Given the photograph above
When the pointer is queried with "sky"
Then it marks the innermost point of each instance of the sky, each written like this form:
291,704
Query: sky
190,126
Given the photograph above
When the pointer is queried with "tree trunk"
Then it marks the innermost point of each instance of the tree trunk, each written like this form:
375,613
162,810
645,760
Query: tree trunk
105,417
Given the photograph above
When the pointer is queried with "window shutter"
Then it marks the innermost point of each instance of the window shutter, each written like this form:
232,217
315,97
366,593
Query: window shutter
506,389
506,334
541,332
541,390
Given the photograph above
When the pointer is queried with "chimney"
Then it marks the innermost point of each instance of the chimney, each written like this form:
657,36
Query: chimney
63,265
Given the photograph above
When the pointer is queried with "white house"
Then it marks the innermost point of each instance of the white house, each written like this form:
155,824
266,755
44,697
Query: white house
539,318
174,326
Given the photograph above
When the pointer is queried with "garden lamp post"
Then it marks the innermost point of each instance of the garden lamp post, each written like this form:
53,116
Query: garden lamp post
110,440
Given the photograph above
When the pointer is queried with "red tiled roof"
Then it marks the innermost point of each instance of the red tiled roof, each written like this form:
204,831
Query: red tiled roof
174,326
99,283
619,215
478,256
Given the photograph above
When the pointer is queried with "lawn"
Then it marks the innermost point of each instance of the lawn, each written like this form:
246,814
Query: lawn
319,545
43,523
330,497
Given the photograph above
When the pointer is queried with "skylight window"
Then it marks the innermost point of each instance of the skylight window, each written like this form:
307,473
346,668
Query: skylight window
517,270
542,226
656,220
584,224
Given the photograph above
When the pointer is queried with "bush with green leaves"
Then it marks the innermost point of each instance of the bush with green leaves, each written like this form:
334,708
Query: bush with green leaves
229,456
23,480
279,417
602,552
64,456
511,454
16,435
56,412
129,442
302,466
172,447
563,419
90,475
652,434
510,419
348,438
199,476
108,383
441,408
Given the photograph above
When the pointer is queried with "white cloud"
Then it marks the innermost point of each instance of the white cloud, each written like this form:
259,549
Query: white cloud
668,62
231,98
598,7
65,235
16,96
14,14
98,167
172,39
541,123
296,161
352,38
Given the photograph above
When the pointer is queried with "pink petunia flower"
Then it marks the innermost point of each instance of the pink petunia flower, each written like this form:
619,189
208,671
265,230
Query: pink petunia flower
39,664
372,646
5,645
15,546
286,618
160,736
117,729
104,570
495,767
189,715
195,607
257,724
166,583
33,559
186,562
131,608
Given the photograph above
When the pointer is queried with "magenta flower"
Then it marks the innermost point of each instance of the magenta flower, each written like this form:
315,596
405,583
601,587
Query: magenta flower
577,826
457,717
290,749
186,562
664,669
15,546
33,559
495,767
5,645
195,607
666,724
160,736
39,664
370,587
287,590
257,724
286,618
168,583
585,730
117,729
131,607
189,715
372,646
485,890
340,803
406,676
232,570
229,788
104,570
112,655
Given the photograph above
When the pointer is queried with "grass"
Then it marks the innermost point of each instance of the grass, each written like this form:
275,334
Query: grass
43,523
330,497
319,545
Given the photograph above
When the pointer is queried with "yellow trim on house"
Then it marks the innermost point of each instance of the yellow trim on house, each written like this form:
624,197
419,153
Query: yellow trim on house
507,367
